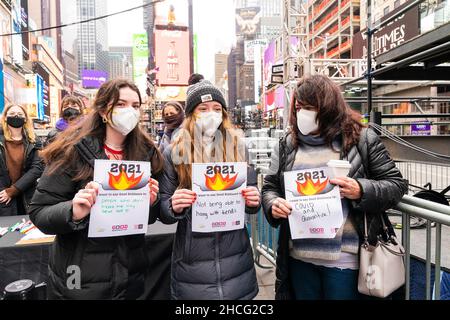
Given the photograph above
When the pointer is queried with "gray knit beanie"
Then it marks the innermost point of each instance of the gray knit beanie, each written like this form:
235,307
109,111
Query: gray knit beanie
203,91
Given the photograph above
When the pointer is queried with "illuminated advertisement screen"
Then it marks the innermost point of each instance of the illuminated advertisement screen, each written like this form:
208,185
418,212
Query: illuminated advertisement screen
172,57
172,13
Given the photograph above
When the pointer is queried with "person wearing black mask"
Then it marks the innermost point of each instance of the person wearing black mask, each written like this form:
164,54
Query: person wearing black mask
20,164
173,116
72,109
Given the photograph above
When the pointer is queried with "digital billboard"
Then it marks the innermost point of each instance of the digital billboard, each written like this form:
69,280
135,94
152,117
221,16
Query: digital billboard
172,55
248,21
93,79
172,13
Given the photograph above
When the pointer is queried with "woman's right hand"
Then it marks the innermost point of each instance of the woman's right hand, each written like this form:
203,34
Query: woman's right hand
281,208
83,201
183,199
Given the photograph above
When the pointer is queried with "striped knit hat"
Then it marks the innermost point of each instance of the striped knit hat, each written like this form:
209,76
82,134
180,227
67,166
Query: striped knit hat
203,91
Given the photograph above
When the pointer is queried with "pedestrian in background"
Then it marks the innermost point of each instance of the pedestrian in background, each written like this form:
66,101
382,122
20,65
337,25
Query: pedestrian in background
114,267
72,110
323,128
173,116
20,164
215,265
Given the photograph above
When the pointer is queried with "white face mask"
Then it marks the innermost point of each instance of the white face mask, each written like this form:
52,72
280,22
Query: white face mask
306,121
125,120
209,122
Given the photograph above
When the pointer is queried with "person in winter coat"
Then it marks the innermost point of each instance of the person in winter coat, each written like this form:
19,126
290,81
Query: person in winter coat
323,128
216,265
20,163
110,268
173,116
72,110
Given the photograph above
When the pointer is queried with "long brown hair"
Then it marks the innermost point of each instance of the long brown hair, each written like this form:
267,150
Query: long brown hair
179,148
62,154
27,129
334,115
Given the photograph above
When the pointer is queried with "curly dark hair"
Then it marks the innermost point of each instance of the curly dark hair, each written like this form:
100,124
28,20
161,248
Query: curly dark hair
334,114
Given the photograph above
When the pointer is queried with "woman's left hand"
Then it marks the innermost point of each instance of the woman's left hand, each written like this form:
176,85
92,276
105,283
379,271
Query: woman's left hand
154,190
252,197
349,187
4,197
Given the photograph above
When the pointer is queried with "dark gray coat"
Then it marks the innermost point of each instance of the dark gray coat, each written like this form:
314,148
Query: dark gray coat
207,266
382,188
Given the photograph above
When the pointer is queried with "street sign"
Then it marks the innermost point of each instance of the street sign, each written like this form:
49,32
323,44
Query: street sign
277,79
278,69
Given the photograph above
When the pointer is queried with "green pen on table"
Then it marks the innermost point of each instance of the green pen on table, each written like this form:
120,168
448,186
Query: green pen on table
12,228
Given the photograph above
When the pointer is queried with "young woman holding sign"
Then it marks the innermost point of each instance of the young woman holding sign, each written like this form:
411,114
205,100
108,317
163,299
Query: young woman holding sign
324,128
214,265
107,268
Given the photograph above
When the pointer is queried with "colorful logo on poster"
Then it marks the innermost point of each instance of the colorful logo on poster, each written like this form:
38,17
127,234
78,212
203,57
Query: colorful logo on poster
312,183
221,178
125,177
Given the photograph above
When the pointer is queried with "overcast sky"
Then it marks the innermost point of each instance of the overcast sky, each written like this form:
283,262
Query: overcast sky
213,23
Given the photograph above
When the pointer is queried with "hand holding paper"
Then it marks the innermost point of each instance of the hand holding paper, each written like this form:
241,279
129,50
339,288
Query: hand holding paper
154,190
252,197
281,208
183,199
84,200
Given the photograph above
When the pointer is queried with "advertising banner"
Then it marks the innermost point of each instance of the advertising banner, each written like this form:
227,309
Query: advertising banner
172,57
248,21
390,36
17,50
5,28
172,14
421,129
140,59
25,36
93,79
43,91
269,61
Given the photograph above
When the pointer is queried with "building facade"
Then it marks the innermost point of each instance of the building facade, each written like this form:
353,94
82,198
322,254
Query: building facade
92,39
120,62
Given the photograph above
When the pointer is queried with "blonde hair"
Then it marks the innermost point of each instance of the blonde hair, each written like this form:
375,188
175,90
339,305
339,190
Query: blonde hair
27,128
184,170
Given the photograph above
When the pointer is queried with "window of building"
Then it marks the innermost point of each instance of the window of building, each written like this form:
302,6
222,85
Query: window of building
386,11
396,4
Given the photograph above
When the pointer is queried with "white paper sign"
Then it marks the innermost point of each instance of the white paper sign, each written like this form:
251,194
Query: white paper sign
220,205
123,202
317,208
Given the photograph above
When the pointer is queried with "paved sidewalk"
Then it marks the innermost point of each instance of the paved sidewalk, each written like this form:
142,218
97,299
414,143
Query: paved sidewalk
266,281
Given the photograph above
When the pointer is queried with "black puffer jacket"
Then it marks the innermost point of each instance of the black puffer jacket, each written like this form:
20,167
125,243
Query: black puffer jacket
111,268
371,165
32,169
207,266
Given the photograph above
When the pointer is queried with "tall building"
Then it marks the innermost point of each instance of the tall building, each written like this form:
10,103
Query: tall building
332,25
120,62
92,40
221,68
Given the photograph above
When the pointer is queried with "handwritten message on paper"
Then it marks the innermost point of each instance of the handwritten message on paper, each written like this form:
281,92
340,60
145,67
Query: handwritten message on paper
220,205
123,202
317,209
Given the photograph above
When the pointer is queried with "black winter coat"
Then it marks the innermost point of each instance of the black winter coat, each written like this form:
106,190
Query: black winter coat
111,268
207,266
33,167
382,188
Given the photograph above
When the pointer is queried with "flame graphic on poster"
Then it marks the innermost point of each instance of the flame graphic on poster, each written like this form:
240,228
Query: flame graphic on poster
310,188
220,183
123,181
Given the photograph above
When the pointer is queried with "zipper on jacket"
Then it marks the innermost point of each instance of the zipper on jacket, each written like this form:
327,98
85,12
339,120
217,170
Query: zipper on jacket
219,278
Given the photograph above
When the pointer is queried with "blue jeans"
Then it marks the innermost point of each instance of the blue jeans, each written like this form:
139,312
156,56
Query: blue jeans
311,282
